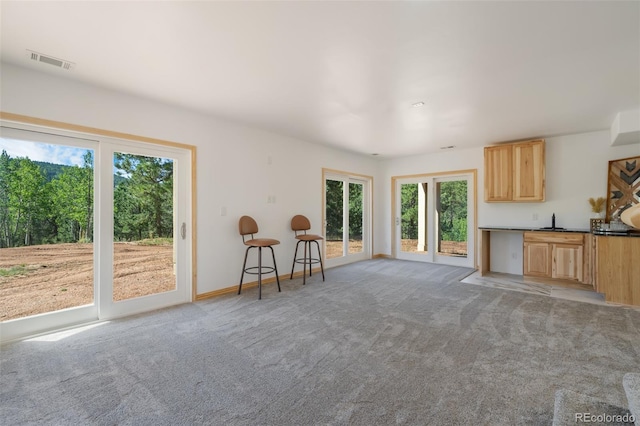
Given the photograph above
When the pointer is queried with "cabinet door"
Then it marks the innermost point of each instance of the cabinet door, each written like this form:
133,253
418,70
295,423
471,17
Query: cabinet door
618,269
567,261
537,259
498,173
528,171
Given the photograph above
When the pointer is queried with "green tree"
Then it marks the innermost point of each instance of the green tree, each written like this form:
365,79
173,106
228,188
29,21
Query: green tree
334,214
452,210
71,194
130,220
355,211
26,200
409,211
150,182
4,199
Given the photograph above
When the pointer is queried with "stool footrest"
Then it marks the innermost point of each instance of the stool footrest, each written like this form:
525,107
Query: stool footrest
256,270
307,261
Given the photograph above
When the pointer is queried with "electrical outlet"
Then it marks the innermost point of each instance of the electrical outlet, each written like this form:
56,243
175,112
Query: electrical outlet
514,255
535,216
223,211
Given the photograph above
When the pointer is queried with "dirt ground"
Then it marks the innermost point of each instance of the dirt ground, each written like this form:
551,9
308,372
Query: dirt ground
334,248
446,247
59,276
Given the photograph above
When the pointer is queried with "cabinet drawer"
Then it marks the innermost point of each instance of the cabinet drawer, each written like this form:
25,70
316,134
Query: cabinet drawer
554,237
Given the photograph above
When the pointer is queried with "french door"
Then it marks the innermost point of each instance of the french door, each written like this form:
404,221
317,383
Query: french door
347,224
91,228
434,218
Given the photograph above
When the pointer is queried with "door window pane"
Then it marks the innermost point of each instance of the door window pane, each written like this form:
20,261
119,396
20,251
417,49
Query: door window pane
413,218
335,218
451,206
143,230
46,227
355,218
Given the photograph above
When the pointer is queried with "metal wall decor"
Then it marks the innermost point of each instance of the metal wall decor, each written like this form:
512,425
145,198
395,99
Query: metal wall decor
623,187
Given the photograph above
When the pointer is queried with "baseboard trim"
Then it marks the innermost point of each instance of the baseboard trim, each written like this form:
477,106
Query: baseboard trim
382,256
234,288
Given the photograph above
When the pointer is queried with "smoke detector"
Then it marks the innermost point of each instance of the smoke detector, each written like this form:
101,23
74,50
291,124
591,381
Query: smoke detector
48,59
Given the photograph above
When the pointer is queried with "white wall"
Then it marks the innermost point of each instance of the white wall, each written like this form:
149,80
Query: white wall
233,171
576,169
232,164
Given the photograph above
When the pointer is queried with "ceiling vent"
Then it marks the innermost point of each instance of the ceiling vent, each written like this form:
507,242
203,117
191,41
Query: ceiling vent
59,63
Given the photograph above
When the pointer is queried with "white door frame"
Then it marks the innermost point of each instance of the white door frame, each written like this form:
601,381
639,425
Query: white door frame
20,327
107,308
431,179
367,184
101,309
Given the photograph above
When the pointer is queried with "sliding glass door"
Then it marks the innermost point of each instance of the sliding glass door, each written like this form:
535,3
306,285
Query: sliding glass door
434,218
453,229
89,228
47,226
346,218
145,264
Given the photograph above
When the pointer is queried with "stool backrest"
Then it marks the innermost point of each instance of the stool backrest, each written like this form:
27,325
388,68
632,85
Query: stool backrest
247,226
300,223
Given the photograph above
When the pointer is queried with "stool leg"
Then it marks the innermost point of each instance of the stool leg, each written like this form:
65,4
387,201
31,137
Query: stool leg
259,273
294,259
320,258
244,265
275,268
310,264
304,265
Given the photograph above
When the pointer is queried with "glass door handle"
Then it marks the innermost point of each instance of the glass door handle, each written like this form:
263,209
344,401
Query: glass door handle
183,230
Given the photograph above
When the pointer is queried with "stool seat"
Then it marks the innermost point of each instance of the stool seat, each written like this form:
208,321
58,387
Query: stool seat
261,242
309,237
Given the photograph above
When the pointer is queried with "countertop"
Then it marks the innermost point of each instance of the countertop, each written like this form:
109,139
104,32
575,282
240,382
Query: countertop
633,233
522,229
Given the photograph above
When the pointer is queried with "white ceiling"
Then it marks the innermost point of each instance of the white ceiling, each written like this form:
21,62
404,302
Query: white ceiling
347,73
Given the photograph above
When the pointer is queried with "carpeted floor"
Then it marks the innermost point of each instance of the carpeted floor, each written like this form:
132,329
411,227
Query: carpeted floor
380,342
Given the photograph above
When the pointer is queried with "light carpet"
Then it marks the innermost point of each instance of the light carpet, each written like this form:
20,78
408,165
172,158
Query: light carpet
380,342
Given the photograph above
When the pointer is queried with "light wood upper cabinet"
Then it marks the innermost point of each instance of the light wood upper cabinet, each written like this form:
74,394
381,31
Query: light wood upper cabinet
528,171
498,173
515,172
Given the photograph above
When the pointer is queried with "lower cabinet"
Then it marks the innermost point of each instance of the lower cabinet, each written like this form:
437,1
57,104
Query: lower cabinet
567,261
618,269
537,259
558,255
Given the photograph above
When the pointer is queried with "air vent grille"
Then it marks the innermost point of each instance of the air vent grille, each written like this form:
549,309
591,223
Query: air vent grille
47,59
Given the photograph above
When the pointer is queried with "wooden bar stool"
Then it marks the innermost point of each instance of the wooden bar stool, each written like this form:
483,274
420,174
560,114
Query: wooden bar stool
300,225
248,226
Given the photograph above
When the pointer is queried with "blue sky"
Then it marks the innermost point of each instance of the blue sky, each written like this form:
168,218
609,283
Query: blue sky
56,154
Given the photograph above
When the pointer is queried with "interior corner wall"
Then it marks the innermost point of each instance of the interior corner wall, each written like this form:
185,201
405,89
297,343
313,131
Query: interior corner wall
233,167
576,169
